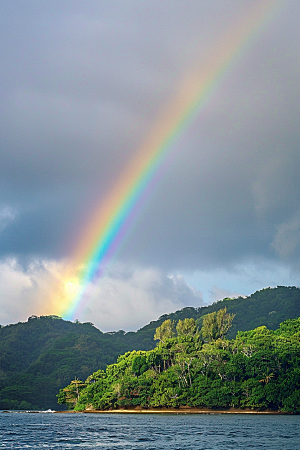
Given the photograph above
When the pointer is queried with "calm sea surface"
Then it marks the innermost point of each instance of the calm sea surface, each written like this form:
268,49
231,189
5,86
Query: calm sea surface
148,432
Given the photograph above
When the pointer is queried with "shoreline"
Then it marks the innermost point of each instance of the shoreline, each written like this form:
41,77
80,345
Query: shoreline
175,411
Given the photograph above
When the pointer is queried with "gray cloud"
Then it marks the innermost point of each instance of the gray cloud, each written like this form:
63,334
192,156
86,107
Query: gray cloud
82,83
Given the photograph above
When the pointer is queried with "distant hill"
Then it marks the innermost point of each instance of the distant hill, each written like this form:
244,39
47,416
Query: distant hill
42,355
269,307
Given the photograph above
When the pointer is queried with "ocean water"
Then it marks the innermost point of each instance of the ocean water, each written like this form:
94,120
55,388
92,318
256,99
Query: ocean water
148,431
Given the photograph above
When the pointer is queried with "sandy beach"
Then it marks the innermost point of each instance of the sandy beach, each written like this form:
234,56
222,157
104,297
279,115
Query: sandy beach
182,410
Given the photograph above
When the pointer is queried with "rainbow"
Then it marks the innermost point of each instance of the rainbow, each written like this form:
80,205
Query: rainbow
110,223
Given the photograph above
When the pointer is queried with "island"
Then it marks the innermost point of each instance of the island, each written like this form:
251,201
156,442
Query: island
194,368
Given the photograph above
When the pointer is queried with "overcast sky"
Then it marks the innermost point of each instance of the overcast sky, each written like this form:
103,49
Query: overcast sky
81,84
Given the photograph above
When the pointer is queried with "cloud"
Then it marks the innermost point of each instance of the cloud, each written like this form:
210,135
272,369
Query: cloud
286,242
7,216
28,290
130,297
126,298
81,87
246,278
219,294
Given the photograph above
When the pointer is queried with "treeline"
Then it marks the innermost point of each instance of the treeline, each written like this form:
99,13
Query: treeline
42,355
259,369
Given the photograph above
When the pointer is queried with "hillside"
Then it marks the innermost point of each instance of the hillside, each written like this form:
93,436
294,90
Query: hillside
268,307
40,356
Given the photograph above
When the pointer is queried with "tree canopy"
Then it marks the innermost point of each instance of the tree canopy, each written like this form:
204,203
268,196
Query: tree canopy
258,369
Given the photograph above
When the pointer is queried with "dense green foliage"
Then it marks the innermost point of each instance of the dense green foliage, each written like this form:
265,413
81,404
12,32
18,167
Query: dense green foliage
258,369
40,356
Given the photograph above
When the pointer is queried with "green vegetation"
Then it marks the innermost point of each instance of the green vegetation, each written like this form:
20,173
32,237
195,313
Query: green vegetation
258,369
39,357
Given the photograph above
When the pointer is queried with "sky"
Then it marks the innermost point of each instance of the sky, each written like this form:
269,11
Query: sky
82,84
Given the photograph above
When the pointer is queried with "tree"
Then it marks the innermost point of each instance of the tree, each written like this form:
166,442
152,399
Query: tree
139,364
165,331
70,394
186,327
216,324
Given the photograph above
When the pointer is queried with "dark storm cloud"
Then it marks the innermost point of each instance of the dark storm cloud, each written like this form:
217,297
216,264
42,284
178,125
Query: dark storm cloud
81,87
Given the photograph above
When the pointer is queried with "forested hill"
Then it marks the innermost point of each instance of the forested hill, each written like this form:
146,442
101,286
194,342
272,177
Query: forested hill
269,307
44,354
